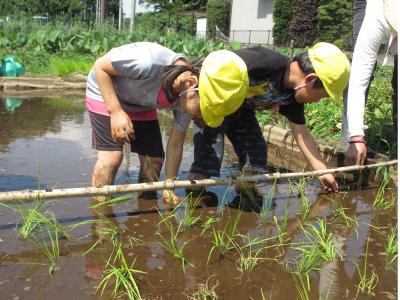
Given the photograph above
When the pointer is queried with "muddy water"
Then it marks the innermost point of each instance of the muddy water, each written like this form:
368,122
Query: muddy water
46,143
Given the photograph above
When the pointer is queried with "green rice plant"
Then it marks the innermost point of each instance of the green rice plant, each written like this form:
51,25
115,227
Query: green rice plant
391,245
249,259
304,207
381,200
114,201
223,240
34,217
105,231
205,291
208,223
172,245
302,286
282,225
122,276
189,220
47,239
319,249
267,203
367,282
341,218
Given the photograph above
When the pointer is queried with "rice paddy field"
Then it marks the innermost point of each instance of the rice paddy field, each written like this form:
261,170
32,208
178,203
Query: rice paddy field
291,241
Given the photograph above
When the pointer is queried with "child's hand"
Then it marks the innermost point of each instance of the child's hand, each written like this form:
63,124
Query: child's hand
329,183
170,197
122,130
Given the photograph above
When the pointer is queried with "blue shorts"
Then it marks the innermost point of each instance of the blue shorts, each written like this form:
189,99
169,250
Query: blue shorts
243,131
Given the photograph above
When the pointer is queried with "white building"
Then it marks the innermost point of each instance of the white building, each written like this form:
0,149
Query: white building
251,21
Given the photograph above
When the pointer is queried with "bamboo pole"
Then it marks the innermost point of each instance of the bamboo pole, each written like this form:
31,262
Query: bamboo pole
26,195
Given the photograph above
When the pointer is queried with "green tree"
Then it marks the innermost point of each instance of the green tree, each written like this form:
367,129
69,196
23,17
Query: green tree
175,5
282,16
218,14
334,22
303,27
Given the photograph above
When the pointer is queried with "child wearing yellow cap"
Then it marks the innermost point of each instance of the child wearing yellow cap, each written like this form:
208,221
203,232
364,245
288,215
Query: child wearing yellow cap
231,85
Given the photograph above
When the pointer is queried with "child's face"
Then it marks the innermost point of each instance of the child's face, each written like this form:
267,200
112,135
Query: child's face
190,102
309,94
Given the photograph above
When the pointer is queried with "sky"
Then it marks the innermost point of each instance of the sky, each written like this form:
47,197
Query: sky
127,4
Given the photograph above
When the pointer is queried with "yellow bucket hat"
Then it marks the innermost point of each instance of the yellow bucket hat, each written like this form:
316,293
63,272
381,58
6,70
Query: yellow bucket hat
332,67
223,85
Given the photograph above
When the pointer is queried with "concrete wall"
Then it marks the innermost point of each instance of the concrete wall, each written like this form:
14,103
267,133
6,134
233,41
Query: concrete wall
251,21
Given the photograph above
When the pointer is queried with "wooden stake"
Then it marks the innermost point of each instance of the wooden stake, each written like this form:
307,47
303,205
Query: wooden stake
26,195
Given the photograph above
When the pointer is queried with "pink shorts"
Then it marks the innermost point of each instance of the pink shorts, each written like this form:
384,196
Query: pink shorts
99,107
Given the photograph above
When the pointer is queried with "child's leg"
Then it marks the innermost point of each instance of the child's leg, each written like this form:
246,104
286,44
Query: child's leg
109,155
208,153
248,141
148,145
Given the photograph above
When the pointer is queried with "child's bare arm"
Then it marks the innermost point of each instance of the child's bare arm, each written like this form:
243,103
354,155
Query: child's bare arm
173,161
310,150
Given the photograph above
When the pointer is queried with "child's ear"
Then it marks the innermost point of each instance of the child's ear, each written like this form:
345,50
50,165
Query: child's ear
193,80
310,77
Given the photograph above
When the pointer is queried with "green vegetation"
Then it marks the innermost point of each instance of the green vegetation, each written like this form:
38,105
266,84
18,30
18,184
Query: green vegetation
218,15
205,291
223,240
282,16
121,276
171,244
391,246
367,282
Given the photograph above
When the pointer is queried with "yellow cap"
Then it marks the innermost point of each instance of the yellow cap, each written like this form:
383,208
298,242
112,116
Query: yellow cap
332,67
223,85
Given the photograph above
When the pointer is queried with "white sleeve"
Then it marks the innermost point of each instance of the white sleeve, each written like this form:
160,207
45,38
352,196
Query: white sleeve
373,32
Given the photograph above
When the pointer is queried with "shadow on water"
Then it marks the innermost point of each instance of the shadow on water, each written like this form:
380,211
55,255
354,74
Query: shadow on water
48,141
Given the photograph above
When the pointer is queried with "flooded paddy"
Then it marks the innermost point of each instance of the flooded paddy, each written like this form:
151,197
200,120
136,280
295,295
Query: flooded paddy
296,242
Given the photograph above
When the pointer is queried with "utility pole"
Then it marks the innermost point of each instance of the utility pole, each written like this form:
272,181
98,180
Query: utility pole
102,12
133,12
120,15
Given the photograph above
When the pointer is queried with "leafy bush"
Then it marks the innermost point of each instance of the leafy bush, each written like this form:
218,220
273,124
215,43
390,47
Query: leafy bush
282,16
218,14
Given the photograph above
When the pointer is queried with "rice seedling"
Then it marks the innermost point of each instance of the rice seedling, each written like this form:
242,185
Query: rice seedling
291,184
391,245
114,201
41,229
189,220
223,240
172,245
304,207
34,217
302,286
381,200
267,203
51,250
122,276
249,259
282,225
318,250
208,223
205,291
340,218
106,231
367,282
